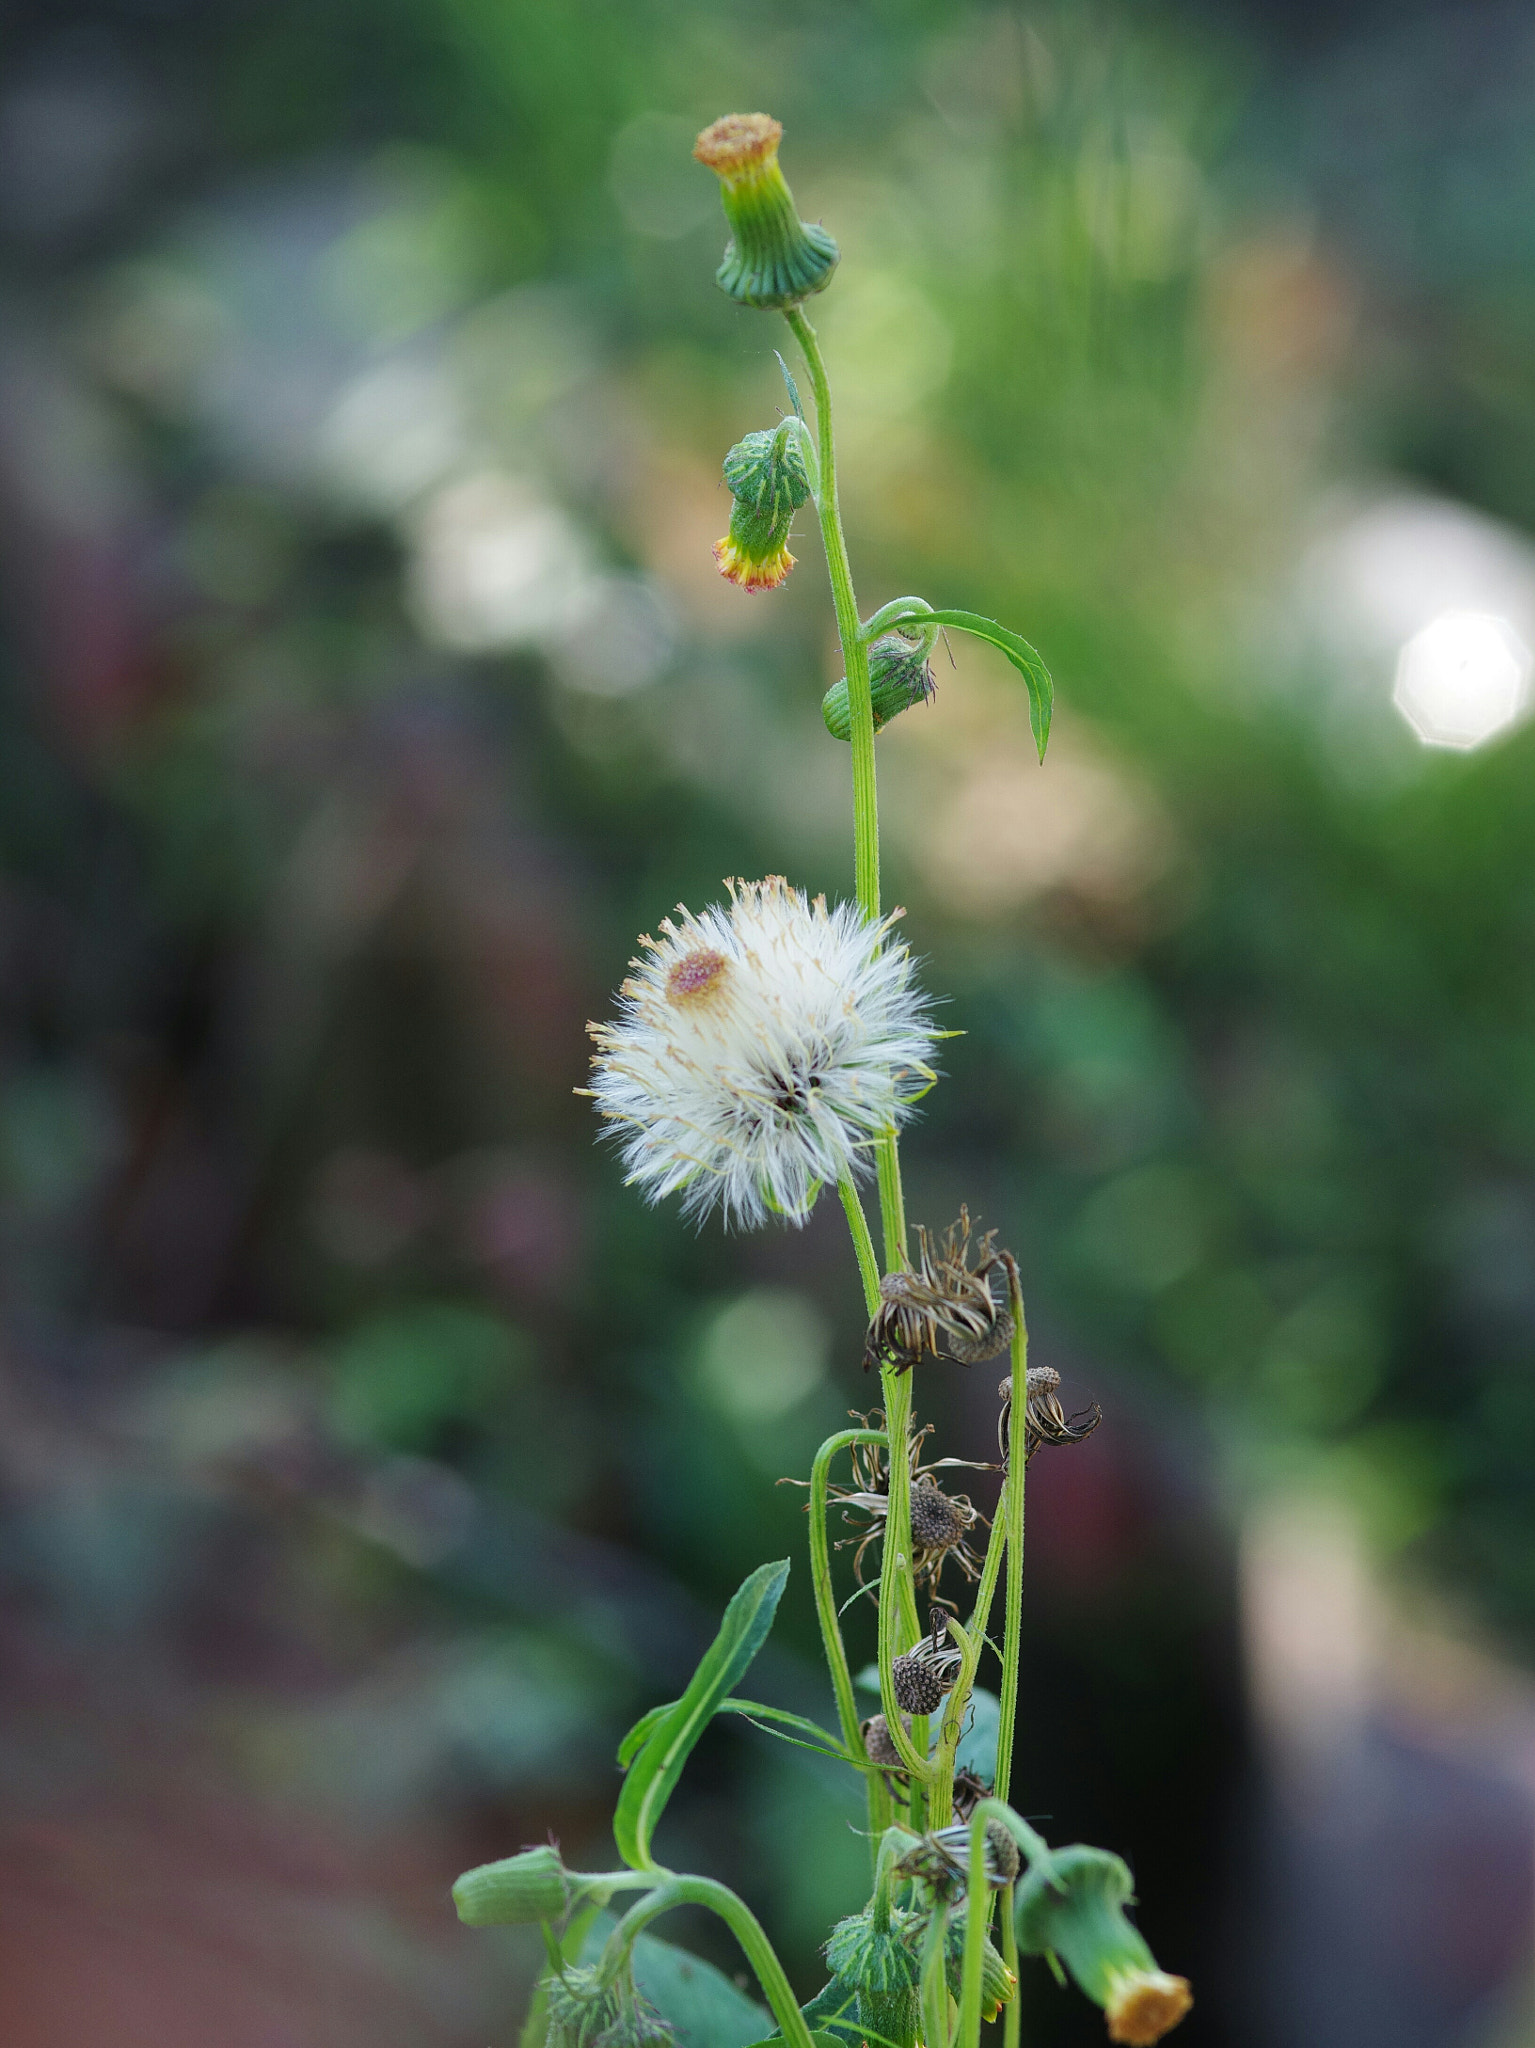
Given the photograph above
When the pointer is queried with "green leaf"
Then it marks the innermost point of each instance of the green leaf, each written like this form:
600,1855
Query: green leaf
1023,657
658,1765
822,1739
707,2010
635,1740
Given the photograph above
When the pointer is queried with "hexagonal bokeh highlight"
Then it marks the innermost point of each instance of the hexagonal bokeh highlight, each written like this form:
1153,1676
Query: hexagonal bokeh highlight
1462,678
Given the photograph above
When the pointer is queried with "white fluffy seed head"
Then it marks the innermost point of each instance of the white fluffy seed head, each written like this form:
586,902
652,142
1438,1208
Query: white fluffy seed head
761,1050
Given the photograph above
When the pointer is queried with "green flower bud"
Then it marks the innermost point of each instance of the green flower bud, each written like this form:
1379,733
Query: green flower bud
580,2007
1080,1917
768,483
997,1981
773,258
882,1965
532,1886
900,675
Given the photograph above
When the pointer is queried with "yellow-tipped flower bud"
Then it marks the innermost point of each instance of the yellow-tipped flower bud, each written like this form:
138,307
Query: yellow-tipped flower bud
518,1889
1077,1912
774,259
900,675
997,1981
768,482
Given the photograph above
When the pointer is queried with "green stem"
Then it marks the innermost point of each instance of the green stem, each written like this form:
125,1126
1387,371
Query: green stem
820,1577
935,1986
898,1625
977,1915
972,1641
1017,1461
855,653
855,663
1012,2017
743,1924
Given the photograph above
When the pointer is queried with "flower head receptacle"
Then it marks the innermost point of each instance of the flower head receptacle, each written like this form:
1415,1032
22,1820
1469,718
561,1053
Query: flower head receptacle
761,1051
773,259
768,483
1075,1909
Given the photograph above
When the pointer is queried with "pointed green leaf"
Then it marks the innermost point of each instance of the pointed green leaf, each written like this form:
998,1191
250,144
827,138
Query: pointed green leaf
755,1712
1023,657
658,1765
638,1735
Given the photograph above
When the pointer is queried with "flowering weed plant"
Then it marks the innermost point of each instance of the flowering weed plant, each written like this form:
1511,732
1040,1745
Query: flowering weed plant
766,1049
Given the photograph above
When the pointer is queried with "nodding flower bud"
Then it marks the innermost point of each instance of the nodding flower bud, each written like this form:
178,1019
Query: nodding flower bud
900,675
768,484
773,259
518,1889
997,1981
1076,1910
882,1965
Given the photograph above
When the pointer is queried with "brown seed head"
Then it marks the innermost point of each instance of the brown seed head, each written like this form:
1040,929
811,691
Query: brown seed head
936,1521
919,1688
877,1742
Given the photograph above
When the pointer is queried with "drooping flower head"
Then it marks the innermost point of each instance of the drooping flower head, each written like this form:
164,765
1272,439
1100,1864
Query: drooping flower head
760,1050
1075,1909
768,483
773,259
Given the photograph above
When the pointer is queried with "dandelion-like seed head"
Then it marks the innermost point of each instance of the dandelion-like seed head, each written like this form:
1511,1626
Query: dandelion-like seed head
761,1049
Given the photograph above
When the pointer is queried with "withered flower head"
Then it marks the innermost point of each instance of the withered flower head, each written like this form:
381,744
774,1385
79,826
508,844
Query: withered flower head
1045,1420
943,1304
940,1522
969,1791
923,1677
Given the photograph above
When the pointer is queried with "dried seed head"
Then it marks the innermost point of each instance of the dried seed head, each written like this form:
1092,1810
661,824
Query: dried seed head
1002,1858
1045,1420
877,1742
919,1689
937,1523
969,1791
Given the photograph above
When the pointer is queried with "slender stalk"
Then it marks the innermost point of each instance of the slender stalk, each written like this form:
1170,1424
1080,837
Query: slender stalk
1017,1461
820,1576
977,1915
934,1983
855,661
855,652
743,1924
972,1641
898,1625
1012,2017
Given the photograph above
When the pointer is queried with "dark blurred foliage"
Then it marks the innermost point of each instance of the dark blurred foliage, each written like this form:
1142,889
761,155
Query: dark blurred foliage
370,1456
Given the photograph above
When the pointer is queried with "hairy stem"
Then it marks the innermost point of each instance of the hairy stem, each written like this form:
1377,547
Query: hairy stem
1017,1461
820,1575
935,1987
898,1625
1012,2016
855,660
743,1924
977,1917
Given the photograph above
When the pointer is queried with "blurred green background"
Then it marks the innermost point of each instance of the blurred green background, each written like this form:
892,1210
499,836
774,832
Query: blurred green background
368,1457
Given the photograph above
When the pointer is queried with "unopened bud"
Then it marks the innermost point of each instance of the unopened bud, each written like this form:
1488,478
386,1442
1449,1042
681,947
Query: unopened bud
1077,1912
900,675
768,483
518,1889
882,1966
997,1981
773,259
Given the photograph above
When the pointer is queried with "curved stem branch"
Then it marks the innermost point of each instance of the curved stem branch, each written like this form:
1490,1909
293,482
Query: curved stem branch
820,1573
863,1245
743,1924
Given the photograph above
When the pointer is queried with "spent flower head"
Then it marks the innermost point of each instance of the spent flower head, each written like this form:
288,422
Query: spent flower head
761,1049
